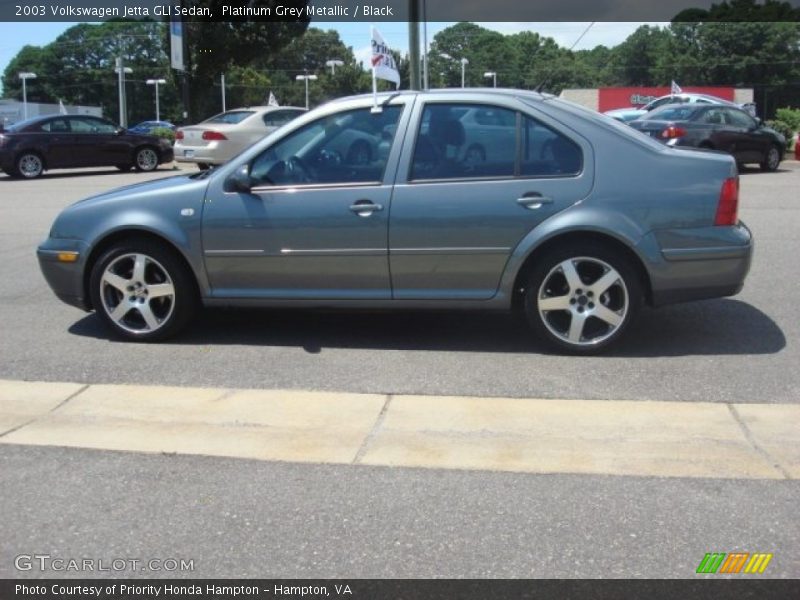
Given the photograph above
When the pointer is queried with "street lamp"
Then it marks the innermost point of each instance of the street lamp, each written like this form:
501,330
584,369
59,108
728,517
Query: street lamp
156,83
306,78
493,75
333,64
464,62
25,75
123,111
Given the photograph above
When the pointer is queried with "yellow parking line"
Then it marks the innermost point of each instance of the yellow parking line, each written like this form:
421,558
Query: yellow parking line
666,439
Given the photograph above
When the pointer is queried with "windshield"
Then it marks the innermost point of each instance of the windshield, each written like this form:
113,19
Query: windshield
231,117
670,113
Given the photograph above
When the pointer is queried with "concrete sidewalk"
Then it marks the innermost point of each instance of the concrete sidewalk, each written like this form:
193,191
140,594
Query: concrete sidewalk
662,439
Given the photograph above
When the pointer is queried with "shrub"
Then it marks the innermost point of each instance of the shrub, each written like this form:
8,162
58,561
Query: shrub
782,128
790,116
164,132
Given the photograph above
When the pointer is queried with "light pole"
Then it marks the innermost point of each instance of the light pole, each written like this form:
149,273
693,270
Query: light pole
493,75
123,111
333,64
156,83
25,75
306,78
464,62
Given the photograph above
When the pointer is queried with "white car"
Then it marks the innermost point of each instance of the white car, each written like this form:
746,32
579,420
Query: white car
218,139
629,114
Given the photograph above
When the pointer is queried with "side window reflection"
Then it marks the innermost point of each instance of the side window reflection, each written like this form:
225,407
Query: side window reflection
349,147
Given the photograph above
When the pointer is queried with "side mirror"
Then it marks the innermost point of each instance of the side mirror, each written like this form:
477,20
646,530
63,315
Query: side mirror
239,181
121,131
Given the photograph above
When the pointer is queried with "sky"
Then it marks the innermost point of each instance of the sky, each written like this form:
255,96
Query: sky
13,36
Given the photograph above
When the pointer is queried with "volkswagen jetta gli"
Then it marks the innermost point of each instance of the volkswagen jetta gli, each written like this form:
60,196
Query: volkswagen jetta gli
561,222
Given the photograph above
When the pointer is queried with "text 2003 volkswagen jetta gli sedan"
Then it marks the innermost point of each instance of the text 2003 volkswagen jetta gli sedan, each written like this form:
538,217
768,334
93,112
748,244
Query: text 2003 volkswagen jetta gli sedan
532,202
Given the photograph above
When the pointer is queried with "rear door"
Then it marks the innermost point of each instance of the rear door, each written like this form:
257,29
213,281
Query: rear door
455,221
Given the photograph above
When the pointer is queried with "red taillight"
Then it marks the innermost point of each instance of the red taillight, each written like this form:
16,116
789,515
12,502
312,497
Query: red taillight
728,207
179,135
673,132
210,136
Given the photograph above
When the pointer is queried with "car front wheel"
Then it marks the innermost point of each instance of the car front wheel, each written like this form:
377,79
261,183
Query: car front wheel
146,159
772,159
581,298
142,291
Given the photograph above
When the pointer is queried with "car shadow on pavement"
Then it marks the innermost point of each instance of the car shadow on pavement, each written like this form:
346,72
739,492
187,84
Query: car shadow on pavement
712,327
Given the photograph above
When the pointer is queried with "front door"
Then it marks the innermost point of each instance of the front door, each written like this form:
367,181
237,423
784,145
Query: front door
314,225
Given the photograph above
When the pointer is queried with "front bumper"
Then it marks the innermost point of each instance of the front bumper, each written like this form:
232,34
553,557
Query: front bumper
65,278
695,264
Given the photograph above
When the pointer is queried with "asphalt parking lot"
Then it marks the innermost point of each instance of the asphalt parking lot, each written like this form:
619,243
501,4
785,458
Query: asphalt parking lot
380,517
726,350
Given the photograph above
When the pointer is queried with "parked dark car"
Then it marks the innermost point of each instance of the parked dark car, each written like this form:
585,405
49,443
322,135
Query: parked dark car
725,128
148,127
29,148
554,225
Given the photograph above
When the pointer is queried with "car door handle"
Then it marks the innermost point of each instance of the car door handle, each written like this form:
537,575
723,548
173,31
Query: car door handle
533,201
365,208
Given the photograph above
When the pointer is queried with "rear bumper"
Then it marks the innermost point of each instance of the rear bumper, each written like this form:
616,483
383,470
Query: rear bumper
711,262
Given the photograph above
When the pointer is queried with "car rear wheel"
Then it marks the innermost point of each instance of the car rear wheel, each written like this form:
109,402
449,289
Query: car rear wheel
29,165
142,291
772,159
146,159
581,298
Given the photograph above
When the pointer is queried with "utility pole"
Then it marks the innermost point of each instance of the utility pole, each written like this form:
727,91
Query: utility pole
222,82
413,43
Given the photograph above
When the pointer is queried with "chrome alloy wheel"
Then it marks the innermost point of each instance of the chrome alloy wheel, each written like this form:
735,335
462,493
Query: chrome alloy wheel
583,301
146,159
30,166
137,293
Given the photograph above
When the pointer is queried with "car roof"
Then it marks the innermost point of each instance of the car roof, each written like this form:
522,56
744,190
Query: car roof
445,92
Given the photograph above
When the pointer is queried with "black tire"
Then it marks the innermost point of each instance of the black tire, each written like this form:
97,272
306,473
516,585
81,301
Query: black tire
582,302
203,166
772,159
124,167
168,314
146,159
29,165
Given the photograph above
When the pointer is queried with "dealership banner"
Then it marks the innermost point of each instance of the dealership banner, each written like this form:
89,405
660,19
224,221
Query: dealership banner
368,11
700,588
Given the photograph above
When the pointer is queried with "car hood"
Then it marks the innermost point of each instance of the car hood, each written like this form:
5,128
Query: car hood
144,189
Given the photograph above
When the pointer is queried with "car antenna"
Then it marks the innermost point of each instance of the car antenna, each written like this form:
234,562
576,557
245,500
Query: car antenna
546,80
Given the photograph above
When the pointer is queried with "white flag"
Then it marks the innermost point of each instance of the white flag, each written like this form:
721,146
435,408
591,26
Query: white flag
62,110
383,64
676,89
273,101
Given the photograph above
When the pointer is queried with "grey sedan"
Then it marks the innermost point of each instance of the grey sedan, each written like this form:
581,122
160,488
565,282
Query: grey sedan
563,224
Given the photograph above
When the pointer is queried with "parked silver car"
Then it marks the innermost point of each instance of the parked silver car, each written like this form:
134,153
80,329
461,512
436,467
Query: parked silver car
220,138
563,224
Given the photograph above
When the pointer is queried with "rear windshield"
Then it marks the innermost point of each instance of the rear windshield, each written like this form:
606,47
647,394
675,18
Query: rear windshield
23,124
231,117
670,113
